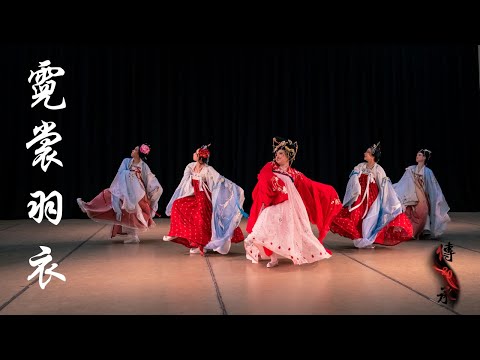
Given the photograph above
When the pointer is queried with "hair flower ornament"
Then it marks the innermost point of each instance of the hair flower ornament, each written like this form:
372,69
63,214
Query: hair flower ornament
145,149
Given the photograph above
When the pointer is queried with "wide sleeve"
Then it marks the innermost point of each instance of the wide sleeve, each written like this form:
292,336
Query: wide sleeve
353,189
380,175
126,190
269,190
153,188
227,212
320,200
185,188
212,178
405,189
389,206
123,168
438,205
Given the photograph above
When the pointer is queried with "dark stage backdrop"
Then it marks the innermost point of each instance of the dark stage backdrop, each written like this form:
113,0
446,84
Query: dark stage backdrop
334,99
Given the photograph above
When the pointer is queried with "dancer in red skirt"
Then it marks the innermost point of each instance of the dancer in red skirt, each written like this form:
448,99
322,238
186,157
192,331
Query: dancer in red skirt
372,212
206,208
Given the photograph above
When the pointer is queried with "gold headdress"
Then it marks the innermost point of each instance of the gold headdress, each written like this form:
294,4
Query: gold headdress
290,147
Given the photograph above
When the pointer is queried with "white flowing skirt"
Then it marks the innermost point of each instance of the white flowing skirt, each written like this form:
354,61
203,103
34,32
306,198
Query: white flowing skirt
285,229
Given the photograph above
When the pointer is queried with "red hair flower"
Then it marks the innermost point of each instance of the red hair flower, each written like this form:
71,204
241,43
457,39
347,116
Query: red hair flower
203,152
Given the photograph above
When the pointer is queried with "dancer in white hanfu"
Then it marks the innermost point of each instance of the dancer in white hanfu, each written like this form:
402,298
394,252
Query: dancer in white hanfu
131,201
422,198
285,203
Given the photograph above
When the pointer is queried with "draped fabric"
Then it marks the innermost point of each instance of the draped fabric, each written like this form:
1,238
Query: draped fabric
372,212
206,210
130,203
284,205
423,201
